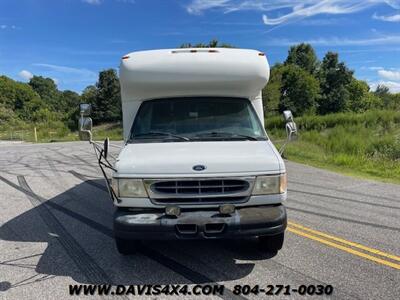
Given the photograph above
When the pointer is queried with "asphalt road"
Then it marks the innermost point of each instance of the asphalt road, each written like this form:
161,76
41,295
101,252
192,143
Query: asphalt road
56,230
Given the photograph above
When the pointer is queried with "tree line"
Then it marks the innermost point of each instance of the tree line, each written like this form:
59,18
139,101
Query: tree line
301,83
306,85
40,101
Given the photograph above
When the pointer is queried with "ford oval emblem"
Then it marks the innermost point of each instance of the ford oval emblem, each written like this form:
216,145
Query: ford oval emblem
199,168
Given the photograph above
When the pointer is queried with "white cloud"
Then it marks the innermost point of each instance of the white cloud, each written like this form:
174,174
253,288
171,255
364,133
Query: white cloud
394,87
298,9
97,2
392,18
389,75
390,78
26,75
335,41
66,74
12,27
198,6
321,7
64,69
93,2
325,22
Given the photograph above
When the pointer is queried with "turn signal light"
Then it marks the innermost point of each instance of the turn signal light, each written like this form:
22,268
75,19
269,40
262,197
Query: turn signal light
174,211
227,209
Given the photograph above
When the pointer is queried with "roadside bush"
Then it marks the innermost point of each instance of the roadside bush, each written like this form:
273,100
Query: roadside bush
373,118
384,147
366,143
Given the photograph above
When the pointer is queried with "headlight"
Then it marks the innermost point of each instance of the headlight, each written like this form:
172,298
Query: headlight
266,185
129,188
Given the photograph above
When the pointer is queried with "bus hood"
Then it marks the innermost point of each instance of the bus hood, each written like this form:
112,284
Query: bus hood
220,158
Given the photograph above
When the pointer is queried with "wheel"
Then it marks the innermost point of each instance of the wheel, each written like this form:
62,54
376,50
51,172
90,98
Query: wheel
271,243
126,247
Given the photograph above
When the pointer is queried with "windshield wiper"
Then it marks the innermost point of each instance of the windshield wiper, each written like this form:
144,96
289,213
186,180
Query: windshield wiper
227,134
155,133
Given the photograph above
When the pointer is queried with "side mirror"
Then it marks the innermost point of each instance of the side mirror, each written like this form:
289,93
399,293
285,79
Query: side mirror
85,109
291,129
105,148
85,123
85,128
287,114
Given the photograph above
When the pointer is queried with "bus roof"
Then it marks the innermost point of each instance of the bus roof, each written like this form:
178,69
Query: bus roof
186,72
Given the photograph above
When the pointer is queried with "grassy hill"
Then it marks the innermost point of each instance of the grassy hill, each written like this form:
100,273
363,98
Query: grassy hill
366,144
46,134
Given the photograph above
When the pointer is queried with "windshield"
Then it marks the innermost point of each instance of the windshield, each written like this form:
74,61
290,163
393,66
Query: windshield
196,119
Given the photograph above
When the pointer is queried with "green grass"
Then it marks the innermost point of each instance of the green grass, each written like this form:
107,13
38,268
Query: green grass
112,131
59,133
313,155
364,145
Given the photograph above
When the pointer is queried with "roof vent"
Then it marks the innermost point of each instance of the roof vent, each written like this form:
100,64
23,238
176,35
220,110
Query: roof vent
195,51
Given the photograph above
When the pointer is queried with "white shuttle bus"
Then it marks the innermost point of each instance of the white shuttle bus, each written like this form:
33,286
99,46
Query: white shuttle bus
196,161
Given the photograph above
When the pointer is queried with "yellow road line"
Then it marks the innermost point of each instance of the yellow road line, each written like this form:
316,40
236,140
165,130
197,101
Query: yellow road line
346,249
346,242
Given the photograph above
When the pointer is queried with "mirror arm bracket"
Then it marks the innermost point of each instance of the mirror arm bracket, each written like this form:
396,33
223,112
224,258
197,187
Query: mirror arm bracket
291,129
89,132
100,157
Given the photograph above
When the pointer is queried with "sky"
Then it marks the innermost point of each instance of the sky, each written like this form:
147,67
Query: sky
70,41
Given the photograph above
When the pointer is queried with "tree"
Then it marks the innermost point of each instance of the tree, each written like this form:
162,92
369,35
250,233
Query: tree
6,116
303,55
107,101
69,102
334,77
7,92
16,95
358,92
25,94
89,94
360,98
212,44
271,93
394,102
299,90
381,90
47,89
30,108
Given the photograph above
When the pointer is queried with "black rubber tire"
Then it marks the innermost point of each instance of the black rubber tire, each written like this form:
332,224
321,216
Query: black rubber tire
126,247
271,243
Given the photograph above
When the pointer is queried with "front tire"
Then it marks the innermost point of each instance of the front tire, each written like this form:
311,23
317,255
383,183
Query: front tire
271,243
126,247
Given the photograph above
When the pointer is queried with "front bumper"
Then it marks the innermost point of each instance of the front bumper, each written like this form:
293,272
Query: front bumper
254,200
205,224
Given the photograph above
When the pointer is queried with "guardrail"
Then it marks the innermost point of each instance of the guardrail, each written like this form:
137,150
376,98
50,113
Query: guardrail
16,135
21,135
